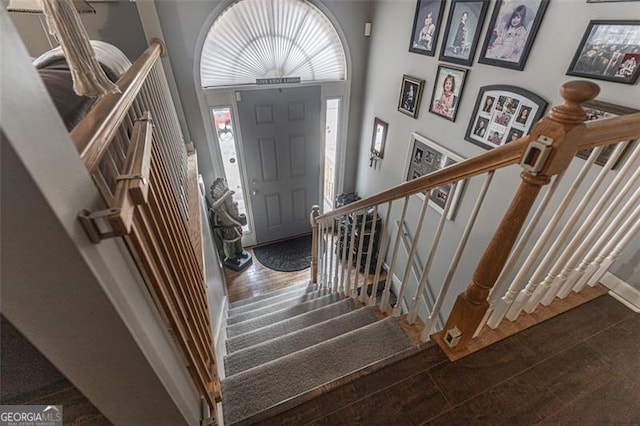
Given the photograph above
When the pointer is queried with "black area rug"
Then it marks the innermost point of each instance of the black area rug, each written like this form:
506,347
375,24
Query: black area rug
286,256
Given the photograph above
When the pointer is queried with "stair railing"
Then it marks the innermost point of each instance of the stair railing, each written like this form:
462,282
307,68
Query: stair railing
132,145
544,155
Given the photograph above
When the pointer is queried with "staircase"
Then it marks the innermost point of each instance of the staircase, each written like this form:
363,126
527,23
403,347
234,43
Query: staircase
286,346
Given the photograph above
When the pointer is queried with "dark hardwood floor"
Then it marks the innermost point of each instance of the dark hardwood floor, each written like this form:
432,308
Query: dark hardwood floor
580,367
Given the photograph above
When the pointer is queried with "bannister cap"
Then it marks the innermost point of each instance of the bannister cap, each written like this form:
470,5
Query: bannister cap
574,93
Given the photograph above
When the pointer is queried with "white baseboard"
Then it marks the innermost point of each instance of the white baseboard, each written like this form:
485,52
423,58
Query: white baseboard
622,291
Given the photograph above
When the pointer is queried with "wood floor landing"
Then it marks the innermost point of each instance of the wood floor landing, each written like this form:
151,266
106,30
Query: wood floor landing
580,367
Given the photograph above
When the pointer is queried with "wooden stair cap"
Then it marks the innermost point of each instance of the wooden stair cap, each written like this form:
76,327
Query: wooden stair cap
574,93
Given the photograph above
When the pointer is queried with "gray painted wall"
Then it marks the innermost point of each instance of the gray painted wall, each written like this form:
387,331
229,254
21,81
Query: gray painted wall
561,30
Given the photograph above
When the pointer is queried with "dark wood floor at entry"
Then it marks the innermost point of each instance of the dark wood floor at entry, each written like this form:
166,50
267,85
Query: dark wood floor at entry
581,367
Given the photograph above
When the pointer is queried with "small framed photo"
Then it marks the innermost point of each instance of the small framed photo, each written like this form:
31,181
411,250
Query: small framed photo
503,114
426,26
597,110
426,156
410,95
447,91
609,50
463,31
379,138
512,30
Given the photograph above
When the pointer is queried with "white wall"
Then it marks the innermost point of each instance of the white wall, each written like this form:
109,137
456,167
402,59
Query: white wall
559,35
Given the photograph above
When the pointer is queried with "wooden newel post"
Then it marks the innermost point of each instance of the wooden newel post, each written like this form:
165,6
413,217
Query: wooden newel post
315,212
552,145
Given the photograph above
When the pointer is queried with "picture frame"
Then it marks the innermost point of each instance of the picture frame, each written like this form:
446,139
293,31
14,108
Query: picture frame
379,137
463,31
605,52
410,95
512,30
426,156
447,91
598,110
426,26
503,113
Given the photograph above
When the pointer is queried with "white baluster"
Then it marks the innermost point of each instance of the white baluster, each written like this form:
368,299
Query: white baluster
372,235
351,291
562,273
526,295
321,259
620,222
344,225
397,309
498,306
333,275
384,303
413,310
381,255
453,266
358,259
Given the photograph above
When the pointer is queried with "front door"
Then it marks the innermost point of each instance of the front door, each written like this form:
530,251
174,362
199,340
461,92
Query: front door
281,146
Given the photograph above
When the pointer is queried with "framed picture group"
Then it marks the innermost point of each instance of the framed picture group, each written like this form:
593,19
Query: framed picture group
426,156
503,114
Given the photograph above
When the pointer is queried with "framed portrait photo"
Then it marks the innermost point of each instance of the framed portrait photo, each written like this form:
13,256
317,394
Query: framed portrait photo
463,31
503,114
447,91
379,137
426,26
512,30
609,50
597,110
410,95
426,156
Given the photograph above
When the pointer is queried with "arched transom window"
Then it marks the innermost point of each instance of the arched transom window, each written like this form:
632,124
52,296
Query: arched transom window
271,39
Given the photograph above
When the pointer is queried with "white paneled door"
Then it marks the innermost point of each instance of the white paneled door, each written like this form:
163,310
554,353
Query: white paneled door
281,146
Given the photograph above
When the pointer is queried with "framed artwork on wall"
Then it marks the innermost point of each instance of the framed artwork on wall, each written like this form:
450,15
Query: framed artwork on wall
426,156
426,26
379,137
410,95
447,91
609,50
503,114
597,110
512,30
463,31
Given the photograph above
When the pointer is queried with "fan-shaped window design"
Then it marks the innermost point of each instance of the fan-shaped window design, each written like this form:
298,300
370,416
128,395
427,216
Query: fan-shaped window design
271,39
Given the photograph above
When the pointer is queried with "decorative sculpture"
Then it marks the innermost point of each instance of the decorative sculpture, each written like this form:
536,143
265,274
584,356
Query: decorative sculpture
228,222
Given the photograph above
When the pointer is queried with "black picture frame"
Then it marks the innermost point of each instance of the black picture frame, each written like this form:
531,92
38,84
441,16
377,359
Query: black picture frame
598,110
426,156
410,95
379,137
445,102
462,32
507,46
424,35
601,57
505,112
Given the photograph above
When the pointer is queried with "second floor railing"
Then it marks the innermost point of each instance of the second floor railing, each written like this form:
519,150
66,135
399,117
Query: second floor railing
572,249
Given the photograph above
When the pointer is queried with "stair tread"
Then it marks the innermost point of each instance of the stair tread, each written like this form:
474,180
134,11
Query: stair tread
276,306
291,311
272,298
271,349
253,299
289,325
259,388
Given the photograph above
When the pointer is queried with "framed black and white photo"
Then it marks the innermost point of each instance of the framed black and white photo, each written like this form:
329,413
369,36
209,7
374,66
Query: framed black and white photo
463,31
503,114
379,137
597,110
410,95
426,26
426,156
512,30
609,50
447,91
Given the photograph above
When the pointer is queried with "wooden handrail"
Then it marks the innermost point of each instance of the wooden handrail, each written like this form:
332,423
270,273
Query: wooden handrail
490,160
605,132
94,133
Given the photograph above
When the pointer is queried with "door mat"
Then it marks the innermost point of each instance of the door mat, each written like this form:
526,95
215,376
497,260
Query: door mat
286,256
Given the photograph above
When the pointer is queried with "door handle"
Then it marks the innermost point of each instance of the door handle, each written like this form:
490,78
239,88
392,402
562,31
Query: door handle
254,192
